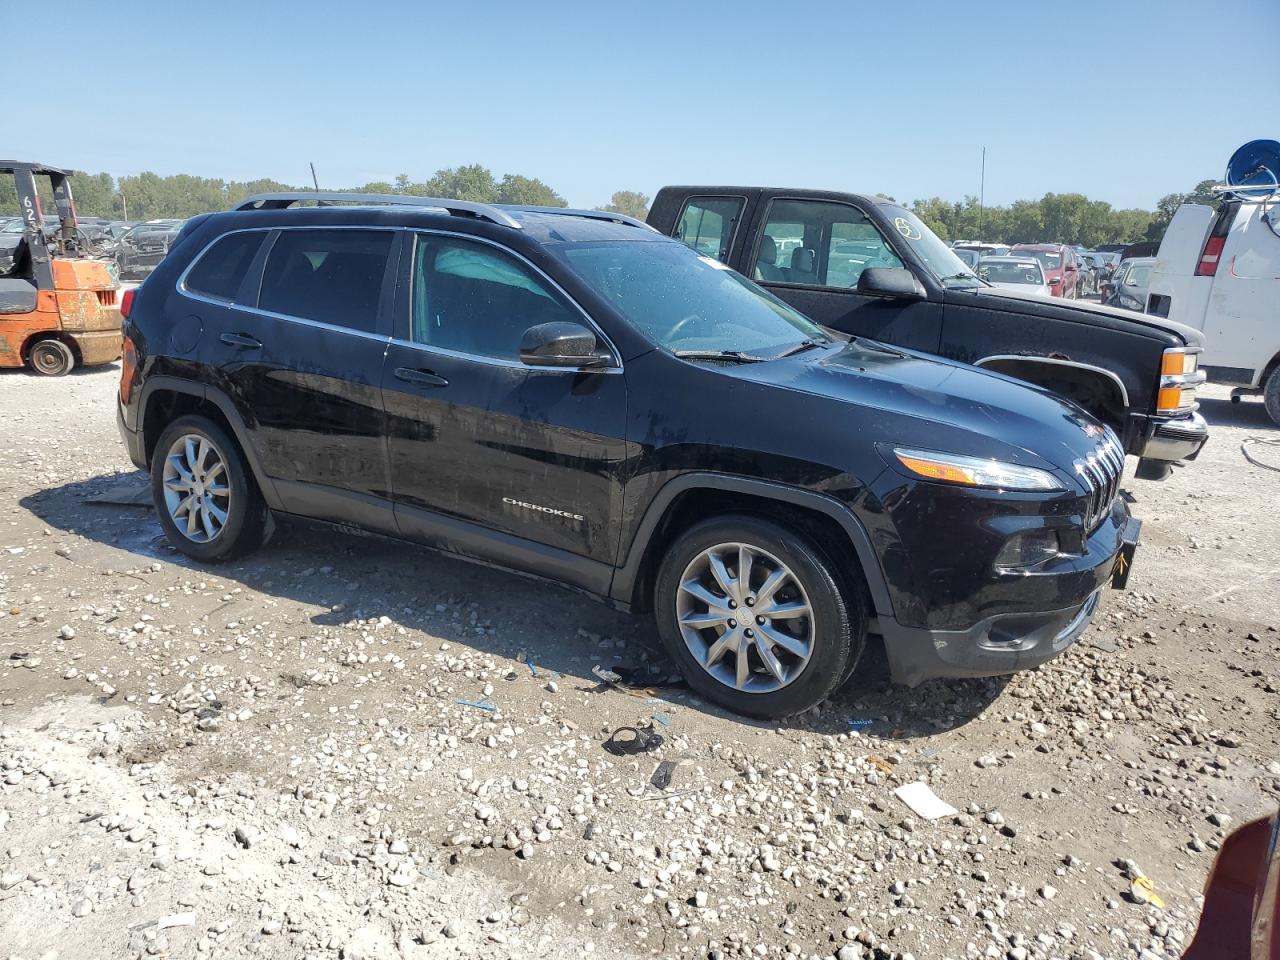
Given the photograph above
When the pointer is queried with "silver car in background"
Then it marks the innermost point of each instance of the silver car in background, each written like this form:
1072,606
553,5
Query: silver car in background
1017,273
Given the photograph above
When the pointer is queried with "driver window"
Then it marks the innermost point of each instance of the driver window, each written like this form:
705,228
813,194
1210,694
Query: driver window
819,243
472,298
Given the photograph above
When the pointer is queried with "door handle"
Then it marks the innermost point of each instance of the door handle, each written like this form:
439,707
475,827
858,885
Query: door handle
424,377
241,340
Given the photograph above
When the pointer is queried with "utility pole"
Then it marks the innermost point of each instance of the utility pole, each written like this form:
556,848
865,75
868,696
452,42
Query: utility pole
314,182
125,201
982,193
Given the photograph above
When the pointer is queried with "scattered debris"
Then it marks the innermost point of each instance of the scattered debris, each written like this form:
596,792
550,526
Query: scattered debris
919,796
664,774
633,740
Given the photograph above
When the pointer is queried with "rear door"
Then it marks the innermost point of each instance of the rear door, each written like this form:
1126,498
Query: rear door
811,254
307,363
482,444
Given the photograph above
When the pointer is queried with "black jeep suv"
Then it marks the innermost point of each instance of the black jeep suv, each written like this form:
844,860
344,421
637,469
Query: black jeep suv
575,396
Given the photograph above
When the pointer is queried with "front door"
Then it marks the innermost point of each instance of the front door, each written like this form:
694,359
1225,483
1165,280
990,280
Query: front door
491,457
811,254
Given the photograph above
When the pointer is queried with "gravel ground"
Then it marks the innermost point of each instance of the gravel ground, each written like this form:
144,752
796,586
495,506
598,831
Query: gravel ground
344,747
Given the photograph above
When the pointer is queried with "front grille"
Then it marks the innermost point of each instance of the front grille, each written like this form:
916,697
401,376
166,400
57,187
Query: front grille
1100,474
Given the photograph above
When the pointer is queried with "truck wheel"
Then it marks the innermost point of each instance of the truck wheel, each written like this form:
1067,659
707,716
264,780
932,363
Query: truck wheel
207,500
755,617
51,358
1271,396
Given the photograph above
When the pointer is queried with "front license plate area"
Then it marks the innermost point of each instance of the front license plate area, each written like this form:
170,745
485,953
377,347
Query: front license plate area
1123,563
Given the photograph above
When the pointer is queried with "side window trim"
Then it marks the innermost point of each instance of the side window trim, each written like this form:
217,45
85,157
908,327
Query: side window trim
737,220
402,331
762,221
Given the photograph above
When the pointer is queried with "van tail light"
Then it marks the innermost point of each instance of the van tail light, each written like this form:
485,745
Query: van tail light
126,302
1208,265
128,365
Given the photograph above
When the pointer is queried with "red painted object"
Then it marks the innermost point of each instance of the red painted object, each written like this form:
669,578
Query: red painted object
1061,268
1241,918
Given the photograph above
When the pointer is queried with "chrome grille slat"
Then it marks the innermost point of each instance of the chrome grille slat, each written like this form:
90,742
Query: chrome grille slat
1099,474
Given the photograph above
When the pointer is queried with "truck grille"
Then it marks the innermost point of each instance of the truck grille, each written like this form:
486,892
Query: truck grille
1100,473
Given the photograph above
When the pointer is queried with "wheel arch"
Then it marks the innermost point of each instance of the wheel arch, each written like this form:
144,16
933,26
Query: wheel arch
164,399
692,497
51,334
1081,380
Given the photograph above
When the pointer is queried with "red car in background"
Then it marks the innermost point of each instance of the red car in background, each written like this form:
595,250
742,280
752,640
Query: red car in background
1061,268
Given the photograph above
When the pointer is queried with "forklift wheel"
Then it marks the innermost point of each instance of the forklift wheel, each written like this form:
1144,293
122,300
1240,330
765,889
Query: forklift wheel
52,358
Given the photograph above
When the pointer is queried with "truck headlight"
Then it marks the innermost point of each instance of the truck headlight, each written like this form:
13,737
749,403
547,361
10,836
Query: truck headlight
976,472
1179,377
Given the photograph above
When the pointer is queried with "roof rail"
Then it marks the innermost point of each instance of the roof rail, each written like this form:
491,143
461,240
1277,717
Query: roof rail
587,214
457,208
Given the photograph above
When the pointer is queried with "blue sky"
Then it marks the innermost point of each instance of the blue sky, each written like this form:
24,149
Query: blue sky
1122,101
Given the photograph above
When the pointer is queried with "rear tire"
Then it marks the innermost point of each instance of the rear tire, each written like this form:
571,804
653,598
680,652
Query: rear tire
51,358
1271,396
803,631
204,494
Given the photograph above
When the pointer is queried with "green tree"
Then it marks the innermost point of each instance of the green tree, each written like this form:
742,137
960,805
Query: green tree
1169,204
529,192
472,182
629,203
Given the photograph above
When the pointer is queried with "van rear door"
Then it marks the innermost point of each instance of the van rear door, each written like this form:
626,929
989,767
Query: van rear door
1176,292
1242,317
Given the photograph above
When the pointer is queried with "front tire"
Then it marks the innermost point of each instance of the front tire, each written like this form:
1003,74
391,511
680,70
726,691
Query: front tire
207,500
51,358
756,618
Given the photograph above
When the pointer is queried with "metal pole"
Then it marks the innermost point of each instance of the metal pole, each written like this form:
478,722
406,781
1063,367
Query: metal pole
125,200
314,181
982,192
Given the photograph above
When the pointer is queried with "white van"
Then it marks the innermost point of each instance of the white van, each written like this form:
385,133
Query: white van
1219,271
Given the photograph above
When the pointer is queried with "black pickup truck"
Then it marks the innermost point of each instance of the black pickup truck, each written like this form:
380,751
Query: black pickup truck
867,266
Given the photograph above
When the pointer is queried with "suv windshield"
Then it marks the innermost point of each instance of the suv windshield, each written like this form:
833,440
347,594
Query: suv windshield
940,259
1007,270
688,302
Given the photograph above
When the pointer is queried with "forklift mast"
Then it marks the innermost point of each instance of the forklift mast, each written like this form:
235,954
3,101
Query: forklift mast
24,176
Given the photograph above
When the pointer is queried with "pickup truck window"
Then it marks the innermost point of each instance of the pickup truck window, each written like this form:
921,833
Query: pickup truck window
686,301
941,261
819,242
707,224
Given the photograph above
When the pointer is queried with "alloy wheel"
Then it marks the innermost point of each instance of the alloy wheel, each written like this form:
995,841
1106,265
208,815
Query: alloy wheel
197,491
745,617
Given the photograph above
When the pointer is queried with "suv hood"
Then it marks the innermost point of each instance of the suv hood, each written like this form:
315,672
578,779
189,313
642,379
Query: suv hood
1016,301
917,400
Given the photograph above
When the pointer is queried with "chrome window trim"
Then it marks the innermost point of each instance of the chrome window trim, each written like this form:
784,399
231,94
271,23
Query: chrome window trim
615,353
614,367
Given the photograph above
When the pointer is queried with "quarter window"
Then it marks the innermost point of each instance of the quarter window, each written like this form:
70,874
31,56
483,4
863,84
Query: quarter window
819,243
331,276
474,299
221,270
707,224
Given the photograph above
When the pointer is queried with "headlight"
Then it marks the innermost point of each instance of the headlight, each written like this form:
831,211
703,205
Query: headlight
1179,377
975,472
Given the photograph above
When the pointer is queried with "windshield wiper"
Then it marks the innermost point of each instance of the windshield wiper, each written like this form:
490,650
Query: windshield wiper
734,355
802,346
962,276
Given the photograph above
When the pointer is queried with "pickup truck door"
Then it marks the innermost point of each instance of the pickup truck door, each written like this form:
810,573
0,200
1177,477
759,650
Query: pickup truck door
811,252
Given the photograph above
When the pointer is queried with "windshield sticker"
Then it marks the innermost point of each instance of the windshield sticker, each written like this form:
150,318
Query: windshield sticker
713,263
906,229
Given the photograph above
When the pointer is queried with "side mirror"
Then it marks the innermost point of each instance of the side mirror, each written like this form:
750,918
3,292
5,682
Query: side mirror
897,282
1071,268
561,344
1054,281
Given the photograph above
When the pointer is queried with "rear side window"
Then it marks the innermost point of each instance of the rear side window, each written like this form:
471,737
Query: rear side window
330,276
221,270
707,224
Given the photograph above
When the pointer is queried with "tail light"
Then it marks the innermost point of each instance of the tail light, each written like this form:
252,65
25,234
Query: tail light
126,304
1209,256
1179,377
128,363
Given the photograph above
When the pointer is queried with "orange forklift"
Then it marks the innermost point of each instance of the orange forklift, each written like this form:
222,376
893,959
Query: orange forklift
58,306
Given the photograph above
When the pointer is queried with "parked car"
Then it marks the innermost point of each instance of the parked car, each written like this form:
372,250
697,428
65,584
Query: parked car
920,296
1128,288
575,396
142,248
968,257
1061,269
1219,271
982,248
1090,275
1014,273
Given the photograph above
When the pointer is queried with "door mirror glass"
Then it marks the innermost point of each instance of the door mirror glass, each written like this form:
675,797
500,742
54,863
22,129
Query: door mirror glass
898,282
561,344
1054,281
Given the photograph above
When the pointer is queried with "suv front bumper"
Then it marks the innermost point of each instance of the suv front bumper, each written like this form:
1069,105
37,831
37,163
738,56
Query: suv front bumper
1008,642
